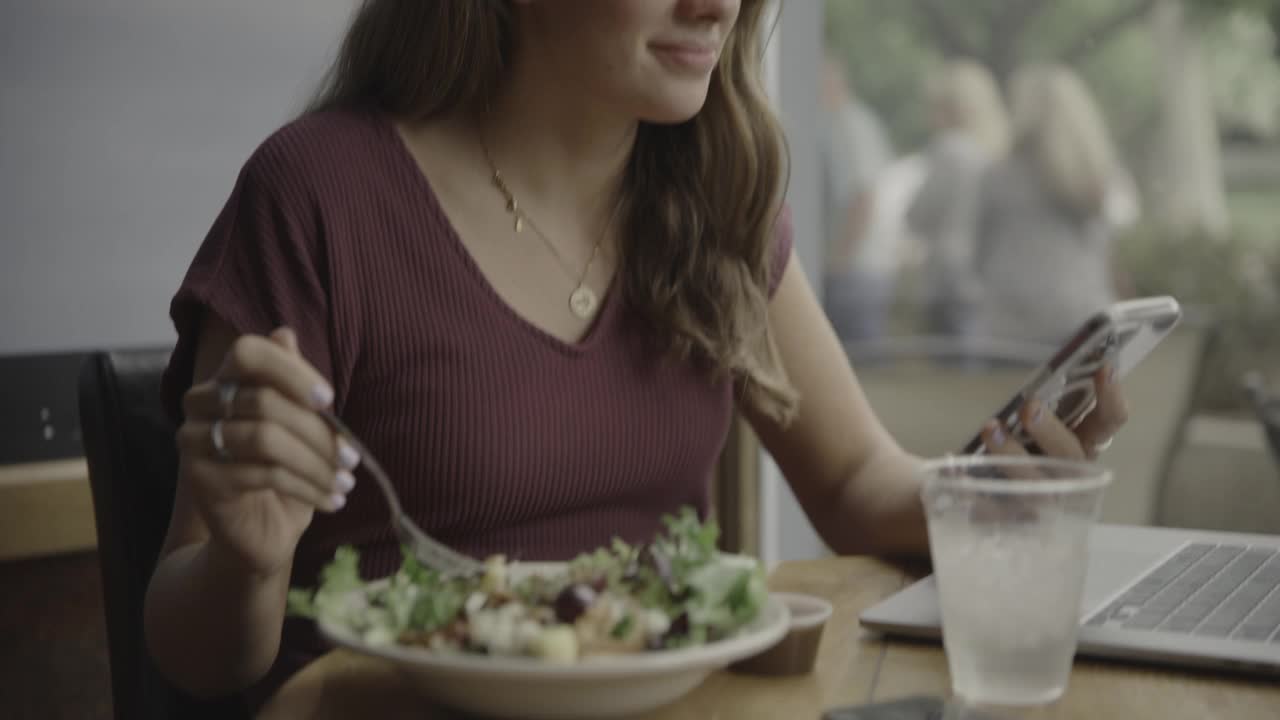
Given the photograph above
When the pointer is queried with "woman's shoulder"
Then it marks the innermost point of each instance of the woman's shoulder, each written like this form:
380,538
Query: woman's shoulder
1016,198
1003,172
319,144
954,159
956,147
1010,176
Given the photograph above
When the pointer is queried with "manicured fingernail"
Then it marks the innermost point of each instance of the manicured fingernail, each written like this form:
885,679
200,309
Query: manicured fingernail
1112,374
345,481
997,437
348,458
321,396
337,501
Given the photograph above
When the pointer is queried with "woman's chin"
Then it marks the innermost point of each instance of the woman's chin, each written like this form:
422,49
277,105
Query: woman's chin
674,107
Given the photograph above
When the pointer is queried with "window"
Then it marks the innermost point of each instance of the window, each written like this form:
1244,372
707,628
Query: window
994,170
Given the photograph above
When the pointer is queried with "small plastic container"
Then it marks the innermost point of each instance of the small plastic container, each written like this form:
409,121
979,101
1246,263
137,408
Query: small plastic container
797,651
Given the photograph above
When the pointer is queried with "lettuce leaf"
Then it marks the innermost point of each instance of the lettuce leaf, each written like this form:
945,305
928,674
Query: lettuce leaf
681,573
727,593
339,577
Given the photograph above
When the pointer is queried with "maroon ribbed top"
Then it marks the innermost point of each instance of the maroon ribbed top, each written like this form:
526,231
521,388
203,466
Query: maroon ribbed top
501,437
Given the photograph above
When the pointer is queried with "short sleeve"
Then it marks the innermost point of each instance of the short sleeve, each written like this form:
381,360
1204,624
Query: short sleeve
780,252
259,268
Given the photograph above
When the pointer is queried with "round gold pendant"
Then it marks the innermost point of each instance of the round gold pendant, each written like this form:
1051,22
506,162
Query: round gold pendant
583,302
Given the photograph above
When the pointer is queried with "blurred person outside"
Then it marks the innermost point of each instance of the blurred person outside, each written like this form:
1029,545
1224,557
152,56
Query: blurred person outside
971,132
860,261
1049,212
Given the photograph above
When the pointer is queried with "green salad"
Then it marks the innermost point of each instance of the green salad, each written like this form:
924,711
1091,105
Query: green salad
675,591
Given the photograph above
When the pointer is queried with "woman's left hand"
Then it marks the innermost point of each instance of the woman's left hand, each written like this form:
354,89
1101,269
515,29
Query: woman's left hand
1089,438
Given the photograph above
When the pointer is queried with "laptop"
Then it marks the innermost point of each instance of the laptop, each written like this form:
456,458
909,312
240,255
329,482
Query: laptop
1186,598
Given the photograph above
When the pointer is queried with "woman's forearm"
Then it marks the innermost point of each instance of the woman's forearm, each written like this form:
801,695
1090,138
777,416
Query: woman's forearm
212,627
879,511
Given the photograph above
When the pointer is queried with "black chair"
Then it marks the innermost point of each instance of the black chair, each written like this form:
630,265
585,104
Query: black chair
1266,403
133,466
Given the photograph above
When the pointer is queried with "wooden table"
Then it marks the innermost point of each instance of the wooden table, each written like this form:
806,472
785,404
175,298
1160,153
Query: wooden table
46,508
854,667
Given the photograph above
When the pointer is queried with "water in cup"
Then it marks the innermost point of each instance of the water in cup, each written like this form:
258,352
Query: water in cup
1010,634
1010,557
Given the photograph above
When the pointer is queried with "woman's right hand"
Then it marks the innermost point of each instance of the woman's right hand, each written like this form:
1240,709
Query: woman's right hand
278,462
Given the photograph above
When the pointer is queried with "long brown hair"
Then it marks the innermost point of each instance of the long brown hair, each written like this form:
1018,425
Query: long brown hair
1060,129
700,199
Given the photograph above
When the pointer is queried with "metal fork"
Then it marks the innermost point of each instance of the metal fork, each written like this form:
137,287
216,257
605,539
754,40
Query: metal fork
428,551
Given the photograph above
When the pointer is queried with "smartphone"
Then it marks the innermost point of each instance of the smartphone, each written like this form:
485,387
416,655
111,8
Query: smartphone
1120,335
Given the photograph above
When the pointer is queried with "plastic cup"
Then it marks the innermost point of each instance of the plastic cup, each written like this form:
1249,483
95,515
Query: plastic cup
1010,543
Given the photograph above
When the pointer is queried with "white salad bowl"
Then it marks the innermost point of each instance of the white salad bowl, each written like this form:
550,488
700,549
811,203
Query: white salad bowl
593,687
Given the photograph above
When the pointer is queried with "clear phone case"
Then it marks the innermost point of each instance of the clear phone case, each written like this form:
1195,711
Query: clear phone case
1120,336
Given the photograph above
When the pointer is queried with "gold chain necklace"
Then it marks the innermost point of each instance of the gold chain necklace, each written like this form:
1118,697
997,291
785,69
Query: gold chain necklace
583,301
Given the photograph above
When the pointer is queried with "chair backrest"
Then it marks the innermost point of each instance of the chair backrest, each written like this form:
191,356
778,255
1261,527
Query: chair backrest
933,395
1266,403
133,466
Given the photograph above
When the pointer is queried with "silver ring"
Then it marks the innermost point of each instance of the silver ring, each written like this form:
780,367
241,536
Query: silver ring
219,442
227,390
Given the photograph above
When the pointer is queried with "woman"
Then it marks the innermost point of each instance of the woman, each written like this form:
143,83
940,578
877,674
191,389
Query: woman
971,131
1048,213
532,253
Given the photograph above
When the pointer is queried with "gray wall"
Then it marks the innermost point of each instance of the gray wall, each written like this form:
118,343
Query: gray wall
123,124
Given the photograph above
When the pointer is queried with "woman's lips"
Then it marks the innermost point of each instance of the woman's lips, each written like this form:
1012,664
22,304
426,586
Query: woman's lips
687,57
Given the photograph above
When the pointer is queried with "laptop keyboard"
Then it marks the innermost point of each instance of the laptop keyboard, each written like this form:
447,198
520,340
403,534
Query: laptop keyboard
1222,591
